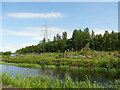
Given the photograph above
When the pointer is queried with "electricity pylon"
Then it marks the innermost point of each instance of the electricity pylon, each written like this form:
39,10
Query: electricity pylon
45,32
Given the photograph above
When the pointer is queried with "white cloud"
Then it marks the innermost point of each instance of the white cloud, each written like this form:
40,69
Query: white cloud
10,32
35,15
102,31
52,31
36,33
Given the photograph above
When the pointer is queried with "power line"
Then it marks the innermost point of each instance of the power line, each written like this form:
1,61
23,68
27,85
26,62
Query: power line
45,32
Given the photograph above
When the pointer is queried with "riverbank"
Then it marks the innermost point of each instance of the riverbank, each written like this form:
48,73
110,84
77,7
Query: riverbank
72,59
36,66
99,61
52,82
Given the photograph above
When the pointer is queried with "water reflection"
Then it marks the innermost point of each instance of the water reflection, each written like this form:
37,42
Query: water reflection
61,72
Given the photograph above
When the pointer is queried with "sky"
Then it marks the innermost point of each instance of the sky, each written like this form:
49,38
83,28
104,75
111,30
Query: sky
23,22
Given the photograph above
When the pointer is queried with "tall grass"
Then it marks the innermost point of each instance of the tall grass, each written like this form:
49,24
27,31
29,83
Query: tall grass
52,82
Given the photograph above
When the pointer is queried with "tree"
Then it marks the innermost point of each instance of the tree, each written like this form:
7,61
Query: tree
114,40
54,39
86,48
58,37
93,34
86,36
7,53
98,42
44,40
62,45
48,40
75,38
92,40
80,39
105,39
64,36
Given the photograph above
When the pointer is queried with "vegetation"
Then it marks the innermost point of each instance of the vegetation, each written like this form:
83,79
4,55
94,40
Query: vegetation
66,67
84,51
85,59
79,51
6,53
53,82
106,42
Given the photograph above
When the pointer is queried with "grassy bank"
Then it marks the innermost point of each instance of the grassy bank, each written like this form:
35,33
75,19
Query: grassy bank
25,65
52,82
106,61
36,66
83,60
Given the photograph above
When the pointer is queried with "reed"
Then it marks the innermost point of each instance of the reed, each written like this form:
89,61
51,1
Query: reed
52,82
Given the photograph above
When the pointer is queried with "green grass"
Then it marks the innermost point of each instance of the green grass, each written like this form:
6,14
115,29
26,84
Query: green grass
36,66
107,63
50,60
52,82
22,65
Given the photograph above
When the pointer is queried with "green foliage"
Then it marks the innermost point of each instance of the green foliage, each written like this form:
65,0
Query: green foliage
64,36
86,50
90,59
109,62
53,82
79,39
44,40
58,37
6,53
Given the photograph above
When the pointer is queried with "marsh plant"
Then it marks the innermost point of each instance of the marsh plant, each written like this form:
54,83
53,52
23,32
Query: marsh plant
52,82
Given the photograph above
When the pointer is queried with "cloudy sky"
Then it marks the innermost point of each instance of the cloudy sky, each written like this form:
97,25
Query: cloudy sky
22,22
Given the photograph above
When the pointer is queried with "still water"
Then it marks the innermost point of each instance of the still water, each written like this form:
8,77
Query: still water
80,74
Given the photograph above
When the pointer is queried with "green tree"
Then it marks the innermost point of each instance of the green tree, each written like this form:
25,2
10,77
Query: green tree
93,34
64,35
86,36
75,38
7,53
105,39
58,37
54,39
62,45
44,40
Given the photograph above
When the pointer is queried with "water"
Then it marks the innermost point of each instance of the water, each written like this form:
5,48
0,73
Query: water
80,74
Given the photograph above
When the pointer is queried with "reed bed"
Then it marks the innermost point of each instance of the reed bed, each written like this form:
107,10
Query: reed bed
53,82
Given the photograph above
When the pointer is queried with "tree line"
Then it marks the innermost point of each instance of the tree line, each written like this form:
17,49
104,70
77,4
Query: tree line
106,42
